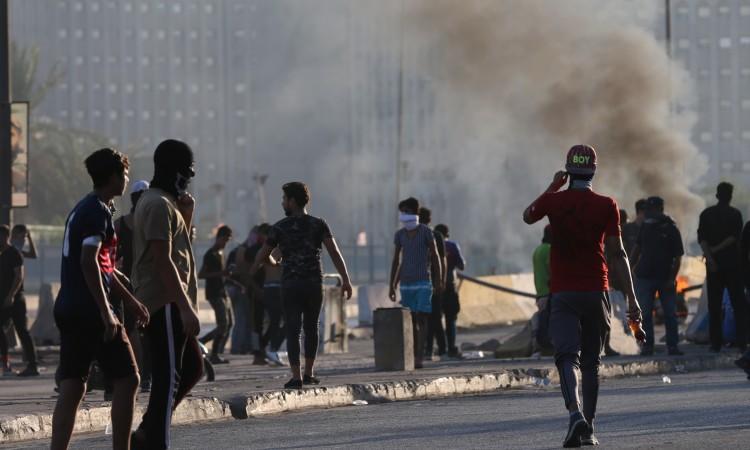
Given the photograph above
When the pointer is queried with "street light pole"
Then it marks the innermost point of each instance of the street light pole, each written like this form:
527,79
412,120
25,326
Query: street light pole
5,150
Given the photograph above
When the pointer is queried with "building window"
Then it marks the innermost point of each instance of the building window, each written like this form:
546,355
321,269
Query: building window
162,113
704,42
127,7
683,43
97,113
746,104
79,60
113,115
129,113
144,7
241,113
112,88
195,113
723,10
145,115
209,9
162,86
178,114
94,6
62,33
745,40
194,88
704,11
129,88
161,35
193,35
745,10
727,166
176,8
144,34
177,61
78,6
745,71
78,34
64,86
240,88
725,104
209,62
706,136
63,113
725,42
240,141
746,135
178,88
211,114
96,59
145,61
727,135
726,72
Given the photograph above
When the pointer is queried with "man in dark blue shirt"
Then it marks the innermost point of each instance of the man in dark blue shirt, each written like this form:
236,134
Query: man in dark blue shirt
89,330
656,258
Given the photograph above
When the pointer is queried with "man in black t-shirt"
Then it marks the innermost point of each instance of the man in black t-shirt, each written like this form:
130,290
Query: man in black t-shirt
656,263
13,305
631,230
215,274
719,234
300,238
435,329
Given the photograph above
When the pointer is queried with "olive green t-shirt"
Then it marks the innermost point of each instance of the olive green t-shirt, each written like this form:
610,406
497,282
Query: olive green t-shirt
157,218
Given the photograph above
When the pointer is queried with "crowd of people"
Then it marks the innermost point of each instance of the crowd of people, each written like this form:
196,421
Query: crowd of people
129,287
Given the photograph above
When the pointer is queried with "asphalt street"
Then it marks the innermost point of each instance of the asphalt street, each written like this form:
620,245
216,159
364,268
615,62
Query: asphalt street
701,410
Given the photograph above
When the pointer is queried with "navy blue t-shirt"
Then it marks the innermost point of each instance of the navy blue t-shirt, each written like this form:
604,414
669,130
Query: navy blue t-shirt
91,217
660,243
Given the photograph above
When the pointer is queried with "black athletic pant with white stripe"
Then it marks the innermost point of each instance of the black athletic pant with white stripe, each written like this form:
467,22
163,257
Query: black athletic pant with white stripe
579,324
176,365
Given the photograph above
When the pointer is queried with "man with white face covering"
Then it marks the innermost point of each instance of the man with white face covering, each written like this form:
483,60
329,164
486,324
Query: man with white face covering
413,257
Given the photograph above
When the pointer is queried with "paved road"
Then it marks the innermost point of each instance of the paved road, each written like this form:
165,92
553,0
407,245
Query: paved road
703,410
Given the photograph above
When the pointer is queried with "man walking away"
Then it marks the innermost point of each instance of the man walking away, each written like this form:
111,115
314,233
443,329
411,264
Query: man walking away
451,304
13,304
540,319
719,234
631,230
214,272
744,362
238,287
83,312
656,261
164,279
257,306
415,253
300,238
583,224
435,330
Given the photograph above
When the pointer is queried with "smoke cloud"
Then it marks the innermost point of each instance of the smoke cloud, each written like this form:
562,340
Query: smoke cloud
526,79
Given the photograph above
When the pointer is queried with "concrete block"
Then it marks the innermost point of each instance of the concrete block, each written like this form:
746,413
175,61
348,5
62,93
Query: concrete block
394,341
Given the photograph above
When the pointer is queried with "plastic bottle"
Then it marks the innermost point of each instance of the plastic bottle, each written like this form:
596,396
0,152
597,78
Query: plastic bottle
637,330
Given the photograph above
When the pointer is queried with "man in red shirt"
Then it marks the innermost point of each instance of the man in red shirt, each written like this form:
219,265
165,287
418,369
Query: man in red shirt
584,224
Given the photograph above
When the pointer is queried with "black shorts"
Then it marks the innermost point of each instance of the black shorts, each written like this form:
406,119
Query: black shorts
80,347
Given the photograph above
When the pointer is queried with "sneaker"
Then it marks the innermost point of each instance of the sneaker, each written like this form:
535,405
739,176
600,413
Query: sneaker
309,379
29,371
216,359
588,437
259,360
273,357
7,370
293,384
577,428
609,351
674,351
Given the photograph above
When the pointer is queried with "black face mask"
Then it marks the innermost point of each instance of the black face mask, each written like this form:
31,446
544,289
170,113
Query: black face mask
181,184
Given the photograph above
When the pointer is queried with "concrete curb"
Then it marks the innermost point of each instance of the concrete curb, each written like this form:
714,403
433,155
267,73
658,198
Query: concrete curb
196,410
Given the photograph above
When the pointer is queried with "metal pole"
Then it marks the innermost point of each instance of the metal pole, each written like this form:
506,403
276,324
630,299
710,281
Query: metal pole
400,106
5,150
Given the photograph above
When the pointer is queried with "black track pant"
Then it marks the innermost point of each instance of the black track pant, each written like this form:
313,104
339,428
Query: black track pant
435,330
17,314
176,364
579,324
303,301
276,332
730,280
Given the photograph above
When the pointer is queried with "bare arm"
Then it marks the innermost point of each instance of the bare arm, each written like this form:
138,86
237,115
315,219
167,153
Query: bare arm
395,266
620,268
635,257
93,277
558,181
437,281
263,257
170,280
339,263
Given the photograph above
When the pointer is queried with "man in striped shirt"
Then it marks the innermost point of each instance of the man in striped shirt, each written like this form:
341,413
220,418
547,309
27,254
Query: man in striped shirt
415,254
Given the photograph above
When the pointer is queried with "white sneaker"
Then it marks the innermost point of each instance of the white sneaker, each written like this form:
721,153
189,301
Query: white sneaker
273,357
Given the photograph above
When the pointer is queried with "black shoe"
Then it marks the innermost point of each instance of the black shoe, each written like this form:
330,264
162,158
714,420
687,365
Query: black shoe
743,363
29,371
216,359
309,379
293,384
609,351
674,351
588,437
578,426
137,440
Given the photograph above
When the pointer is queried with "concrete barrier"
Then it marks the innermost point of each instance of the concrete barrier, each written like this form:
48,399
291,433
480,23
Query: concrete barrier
484,306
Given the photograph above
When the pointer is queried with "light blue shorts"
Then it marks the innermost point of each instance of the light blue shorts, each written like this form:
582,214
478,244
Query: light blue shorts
417,296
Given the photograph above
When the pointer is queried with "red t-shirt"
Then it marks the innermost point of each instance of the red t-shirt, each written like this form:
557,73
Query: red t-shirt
580,220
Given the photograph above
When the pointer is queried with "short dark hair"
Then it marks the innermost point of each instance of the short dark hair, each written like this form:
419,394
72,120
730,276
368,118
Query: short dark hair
20,228
411,204
264,229
104,163
724,191
425,215
4,232
640,205
298,191
442,229
223,231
